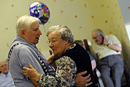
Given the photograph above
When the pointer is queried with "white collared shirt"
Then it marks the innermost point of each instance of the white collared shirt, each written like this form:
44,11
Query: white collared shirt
6,80
102,51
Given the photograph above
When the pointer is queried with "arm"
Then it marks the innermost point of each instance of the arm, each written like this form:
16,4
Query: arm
35,74
65,74
93,63
31,72
115,46
50,58
81,81
36,84
26,56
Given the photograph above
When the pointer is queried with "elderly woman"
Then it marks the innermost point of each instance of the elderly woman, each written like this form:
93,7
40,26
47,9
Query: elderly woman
71,57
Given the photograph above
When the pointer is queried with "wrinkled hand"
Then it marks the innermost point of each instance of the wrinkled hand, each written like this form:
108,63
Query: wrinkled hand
50,58
81,81
31,72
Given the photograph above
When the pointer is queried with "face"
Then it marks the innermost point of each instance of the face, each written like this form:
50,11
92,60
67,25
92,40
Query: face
33,34
4,67
56,43
97,38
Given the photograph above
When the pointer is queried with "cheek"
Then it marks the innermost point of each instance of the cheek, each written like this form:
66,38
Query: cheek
99,42
59,49
32,34
32,38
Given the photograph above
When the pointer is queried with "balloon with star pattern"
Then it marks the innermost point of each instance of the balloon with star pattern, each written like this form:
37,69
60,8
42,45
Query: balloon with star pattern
40,10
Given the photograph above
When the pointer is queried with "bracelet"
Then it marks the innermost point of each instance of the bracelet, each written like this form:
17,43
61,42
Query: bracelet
39,78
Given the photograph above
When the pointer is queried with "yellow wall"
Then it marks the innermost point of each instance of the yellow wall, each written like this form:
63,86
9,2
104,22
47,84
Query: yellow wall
81,16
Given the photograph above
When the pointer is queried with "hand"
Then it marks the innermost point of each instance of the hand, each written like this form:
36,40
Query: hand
105,42
31,72
50,58
81,81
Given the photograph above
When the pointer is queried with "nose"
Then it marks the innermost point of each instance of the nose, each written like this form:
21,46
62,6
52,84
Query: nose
40,33
94,39
50,45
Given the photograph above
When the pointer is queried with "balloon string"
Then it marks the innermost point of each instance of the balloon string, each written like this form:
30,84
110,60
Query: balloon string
44,29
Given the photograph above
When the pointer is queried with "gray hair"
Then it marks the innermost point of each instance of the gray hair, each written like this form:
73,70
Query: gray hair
5,61
24,22
64,31
78,41
99,31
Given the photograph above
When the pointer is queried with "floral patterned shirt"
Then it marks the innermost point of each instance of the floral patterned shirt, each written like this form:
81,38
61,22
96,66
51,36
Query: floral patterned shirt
65,74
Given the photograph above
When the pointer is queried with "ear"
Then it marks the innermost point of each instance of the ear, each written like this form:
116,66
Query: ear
22,32
102,35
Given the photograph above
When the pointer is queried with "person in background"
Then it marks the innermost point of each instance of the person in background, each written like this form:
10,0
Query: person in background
93,62
96,72
23,51
108,49
5,76
61,42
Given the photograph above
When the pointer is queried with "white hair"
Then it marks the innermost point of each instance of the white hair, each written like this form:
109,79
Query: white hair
64,31
6,61
24,22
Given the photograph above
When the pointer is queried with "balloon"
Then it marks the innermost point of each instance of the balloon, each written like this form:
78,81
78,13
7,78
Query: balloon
40,10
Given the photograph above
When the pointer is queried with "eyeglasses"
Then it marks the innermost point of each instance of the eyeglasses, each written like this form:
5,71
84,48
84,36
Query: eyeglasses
95,37
53,41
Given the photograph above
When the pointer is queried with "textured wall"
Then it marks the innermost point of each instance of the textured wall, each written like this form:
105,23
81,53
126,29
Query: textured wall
125,10
81,16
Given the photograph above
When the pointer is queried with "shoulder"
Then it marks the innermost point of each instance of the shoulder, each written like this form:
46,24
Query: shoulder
66,60
110,36
20,51
21,48
76,48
